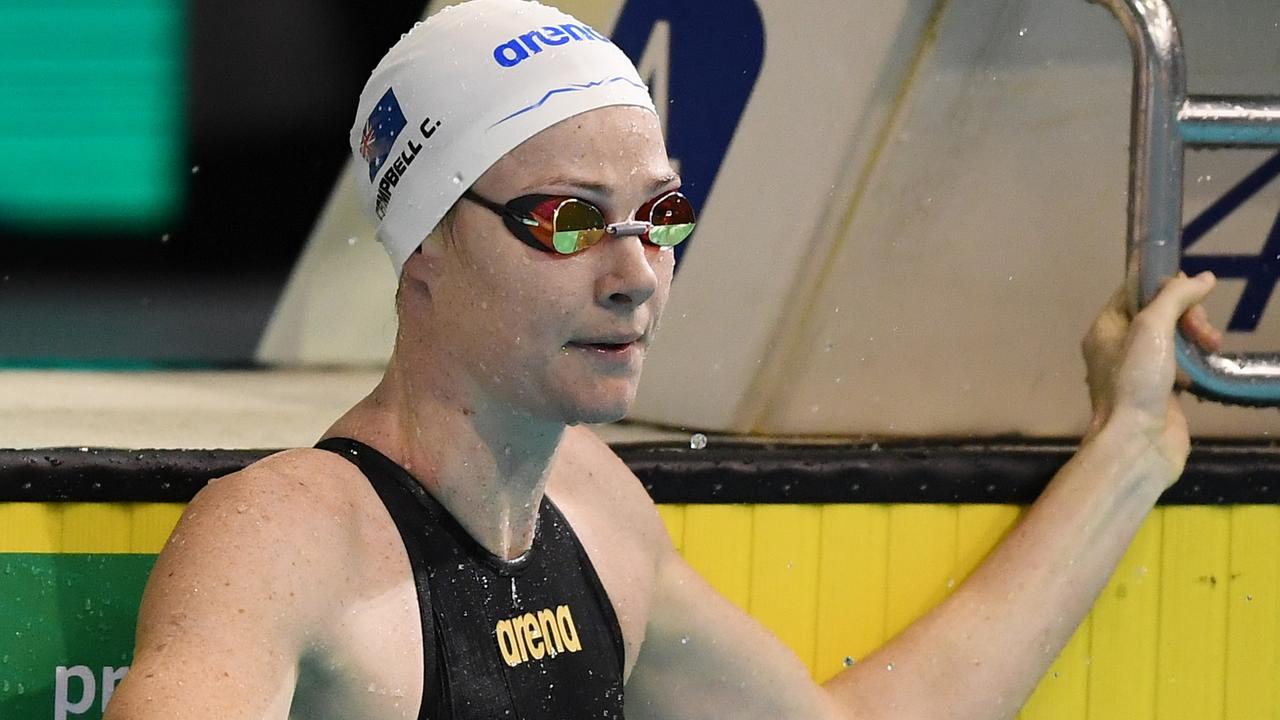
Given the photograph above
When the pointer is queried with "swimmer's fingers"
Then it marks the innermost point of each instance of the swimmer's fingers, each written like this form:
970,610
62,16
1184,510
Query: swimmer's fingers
1103,347
1197,328
1195,325
1131,360
1133,367
1179,302
1148,370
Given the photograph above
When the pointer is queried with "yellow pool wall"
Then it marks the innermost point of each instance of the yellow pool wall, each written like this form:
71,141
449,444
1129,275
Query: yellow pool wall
1187,628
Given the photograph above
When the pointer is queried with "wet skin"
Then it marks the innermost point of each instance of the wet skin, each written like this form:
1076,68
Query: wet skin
288,584
498,352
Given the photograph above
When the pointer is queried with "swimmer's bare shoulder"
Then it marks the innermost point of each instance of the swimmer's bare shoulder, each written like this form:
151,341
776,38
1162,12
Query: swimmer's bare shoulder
247,585
618,525
585,465
690,652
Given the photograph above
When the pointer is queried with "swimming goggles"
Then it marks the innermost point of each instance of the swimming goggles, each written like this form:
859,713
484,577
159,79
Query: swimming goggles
567,225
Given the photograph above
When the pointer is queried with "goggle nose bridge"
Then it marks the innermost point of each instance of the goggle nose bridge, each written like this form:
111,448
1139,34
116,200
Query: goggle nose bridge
629,227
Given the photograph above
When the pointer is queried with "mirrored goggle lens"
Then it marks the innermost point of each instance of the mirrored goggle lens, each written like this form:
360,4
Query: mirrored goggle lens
673,221
577,226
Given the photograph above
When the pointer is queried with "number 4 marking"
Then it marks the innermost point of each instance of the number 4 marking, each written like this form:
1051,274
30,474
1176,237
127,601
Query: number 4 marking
1260,272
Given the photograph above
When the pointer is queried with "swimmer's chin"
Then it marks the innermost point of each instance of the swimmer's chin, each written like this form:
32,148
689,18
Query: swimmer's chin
598,403
600,414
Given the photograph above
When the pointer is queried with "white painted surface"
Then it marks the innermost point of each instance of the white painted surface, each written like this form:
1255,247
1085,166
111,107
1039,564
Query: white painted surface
195,410
830,74
935,238
338,307
993,230
220,409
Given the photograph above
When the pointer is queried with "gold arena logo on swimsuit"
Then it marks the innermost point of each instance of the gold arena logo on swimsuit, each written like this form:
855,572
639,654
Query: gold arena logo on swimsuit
534,635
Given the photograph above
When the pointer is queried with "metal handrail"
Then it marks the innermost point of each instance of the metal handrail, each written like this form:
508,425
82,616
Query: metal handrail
1163,123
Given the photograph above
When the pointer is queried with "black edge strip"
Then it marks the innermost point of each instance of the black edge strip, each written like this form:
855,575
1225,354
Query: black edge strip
95,474
1008,473
1219,473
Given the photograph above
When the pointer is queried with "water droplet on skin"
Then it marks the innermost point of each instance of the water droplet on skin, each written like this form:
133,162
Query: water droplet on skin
848,661
241,508
351,241
889,667
684,640
697,441
1022,32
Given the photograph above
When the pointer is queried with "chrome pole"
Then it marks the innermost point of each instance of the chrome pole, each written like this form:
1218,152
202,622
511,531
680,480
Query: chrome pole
1163,122
1227,121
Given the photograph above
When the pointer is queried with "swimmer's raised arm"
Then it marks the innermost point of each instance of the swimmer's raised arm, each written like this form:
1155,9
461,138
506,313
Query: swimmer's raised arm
980,653
703,659
226,611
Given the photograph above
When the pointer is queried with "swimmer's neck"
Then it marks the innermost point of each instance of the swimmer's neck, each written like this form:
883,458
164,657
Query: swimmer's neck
485,464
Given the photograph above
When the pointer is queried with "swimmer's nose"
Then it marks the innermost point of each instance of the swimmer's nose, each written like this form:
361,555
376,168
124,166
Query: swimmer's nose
627,277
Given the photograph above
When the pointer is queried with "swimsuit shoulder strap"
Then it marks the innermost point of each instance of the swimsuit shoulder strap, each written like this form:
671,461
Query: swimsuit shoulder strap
414,521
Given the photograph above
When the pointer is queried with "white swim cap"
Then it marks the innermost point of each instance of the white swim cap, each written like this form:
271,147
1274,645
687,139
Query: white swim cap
462,89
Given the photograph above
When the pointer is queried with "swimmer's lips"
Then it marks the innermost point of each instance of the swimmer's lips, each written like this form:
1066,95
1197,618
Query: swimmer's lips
610,347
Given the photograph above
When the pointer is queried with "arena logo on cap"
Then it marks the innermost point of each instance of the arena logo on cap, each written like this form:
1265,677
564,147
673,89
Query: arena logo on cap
518,49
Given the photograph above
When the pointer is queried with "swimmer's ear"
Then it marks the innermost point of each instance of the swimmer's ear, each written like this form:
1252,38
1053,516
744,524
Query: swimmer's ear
423,264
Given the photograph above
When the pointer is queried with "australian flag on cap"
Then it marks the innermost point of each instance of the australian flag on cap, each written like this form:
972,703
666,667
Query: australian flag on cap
380,132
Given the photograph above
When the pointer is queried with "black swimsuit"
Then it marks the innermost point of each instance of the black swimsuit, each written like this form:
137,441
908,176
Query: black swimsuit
534,638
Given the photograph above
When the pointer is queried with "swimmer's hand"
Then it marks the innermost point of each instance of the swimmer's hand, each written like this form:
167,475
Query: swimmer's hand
1132,370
